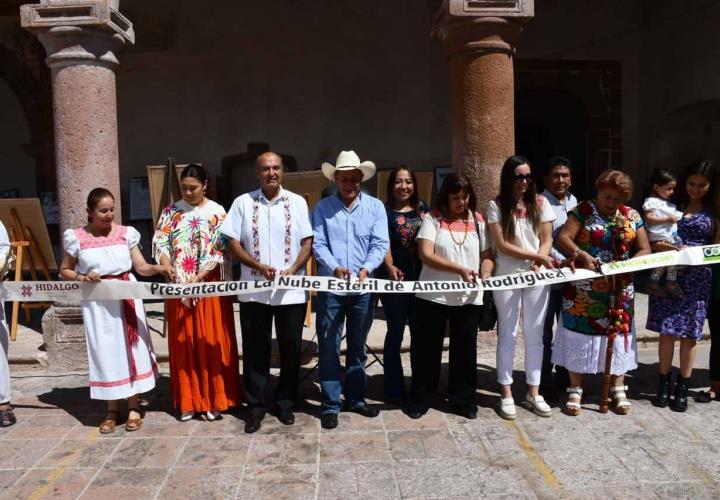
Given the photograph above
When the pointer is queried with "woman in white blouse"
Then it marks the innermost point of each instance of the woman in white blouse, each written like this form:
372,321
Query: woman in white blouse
453,246
520,226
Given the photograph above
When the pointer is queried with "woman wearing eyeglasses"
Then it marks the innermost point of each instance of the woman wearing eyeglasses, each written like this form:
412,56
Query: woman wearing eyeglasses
520,226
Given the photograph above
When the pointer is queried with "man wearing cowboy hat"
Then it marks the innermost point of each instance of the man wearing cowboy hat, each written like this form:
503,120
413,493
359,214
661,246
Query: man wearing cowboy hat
350,234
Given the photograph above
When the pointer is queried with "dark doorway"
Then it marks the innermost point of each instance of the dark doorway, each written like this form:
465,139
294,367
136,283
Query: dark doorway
574,109
553,122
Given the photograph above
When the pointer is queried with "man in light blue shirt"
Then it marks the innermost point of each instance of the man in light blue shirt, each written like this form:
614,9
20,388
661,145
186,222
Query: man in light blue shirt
350,239
557,179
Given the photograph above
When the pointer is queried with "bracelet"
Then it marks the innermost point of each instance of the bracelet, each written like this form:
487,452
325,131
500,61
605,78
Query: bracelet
577,252
77,275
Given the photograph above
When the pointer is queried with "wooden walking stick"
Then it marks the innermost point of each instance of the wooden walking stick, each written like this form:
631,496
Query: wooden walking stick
605,393
617,324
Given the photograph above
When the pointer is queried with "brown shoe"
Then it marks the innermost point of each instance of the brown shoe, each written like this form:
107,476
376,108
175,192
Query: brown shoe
655,289
672,289
134,424
107,426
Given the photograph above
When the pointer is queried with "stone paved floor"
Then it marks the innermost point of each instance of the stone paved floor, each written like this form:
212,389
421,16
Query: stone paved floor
56,451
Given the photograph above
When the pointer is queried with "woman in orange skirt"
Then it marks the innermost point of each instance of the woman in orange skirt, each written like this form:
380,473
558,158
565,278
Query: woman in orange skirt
204,371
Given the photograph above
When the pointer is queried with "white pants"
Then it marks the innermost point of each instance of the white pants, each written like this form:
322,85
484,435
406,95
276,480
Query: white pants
4,368
534,302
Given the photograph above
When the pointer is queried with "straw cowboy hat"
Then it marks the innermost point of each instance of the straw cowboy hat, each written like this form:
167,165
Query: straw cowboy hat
349,160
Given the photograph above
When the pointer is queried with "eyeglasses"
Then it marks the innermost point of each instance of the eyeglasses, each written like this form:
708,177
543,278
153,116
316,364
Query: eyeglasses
518,178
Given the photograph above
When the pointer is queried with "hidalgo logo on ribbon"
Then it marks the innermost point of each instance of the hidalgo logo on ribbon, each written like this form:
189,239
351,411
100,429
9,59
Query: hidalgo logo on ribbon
27,291
711,253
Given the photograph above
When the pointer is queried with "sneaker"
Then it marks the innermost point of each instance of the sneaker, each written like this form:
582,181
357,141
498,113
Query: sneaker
186,416
538,406
507,409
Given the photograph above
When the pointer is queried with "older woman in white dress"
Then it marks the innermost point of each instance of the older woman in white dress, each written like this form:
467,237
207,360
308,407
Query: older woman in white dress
120,354
597,232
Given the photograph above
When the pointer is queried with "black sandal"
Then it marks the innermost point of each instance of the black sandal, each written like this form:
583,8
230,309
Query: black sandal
706,396
7,417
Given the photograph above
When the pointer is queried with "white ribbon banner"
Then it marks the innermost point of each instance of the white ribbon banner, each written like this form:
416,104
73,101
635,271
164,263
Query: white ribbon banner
70,291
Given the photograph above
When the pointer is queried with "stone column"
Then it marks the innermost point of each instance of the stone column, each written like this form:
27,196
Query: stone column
82,39
478,36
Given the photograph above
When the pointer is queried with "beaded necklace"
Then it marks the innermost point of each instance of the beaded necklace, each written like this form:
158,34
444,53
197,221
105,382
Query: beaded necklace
256,231
458,243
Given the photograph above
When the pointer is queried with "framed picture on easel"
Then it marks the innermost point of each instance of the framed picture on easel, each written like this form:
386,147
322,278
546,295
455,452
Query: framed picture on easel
25,222
25,218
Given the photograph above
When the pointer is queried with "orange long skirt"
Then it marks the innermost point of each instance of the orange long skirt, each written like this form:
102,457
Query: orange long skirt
204,369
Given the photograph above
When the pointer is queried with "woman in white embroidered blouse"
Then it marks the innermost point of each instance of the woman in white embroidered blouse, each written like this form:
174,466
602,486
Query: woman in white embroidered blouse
520,225
204,371
120,354
453,246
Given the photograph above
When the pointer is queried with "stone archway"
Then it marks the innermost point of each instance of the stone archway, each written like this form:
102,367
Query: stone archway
23,69
598,86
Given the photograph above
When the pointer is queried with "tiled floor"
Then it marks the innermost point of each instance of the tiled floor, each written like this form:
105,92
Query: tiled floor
55,450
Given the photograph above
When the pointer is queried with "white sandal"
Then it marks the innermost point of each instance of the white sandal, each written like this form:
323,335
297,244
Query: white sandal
572,406
507,409
620,403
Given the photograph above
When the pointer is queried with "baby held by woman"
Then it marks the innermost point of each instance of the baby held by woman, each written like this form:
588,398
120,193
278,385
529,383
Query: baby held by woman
661,217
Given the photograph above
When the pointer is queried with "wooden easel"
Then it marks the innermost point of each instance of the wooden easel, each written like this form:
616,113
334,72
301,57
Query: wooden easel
18,246
21,237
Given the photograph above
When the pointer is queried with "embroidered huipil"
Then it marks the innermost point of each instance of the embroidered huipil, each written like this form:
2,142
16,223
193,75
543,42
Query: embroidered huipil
353,238
188,236
117,368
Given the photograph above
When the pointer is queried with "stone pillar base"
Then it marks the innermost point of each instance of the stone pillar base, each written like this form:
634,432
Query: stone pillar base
64,336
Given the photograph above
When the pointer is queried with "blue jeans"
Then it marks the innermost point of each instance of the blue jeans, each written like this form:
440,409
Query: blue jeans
399,310
332,310
554,310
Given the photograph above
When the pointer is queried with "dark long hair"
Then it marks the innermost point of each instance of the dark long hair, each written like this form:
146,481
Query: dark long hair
706,168
196,172
200,174
453,184
507,200
390,188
